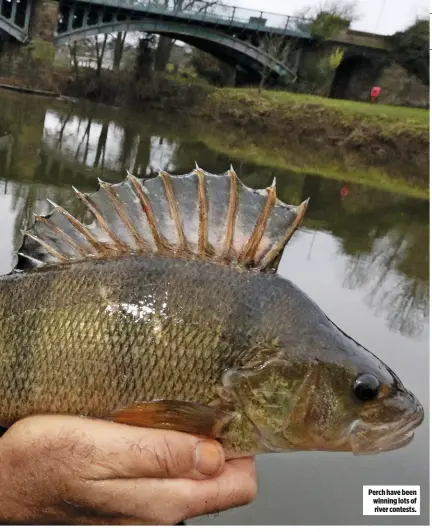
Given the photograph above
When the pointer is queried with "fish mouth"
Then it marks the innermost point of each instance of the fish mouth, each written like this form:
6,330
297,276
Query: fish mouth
366,438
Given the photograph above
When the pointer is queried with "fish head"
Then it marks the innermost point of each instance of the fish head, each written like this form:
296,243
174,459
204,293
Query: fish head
337,403
388,413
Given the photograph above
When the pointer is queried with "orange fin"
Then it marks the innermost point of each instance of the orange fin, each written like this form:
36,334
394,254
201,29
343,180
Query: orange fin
182,416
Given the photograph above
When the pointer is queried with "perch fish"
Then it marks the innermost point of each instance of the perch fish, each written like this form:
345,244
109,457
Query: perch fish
165,310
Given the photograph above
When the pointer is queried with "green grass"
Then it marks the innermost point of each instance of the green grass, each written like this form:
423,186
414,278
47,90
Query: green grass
383,116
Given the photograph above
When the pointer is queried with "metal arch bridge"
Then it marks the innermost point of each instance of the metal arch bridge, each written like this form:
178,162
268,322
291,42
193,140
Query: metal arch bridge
224,30
15,18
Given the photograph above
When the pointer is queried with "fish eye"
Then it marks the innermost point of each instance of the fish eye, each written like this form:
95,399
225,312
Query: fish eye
366,387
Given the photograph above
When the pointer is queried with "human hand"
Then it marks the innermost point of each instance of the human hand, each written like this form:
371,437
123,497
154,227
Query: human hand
71,470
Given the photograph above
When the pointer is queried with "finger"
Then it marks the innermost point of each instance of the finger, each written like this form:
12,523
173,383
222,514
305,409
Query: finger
168,501
238,487
104,450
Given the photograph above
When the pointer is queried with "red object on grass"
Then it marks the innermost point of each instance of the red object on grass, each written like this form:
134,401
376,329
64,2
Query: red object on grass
344,191
375,92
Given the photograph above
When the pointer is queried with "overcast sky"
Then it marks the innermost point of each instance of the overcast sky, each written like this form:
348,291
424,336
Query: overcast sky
375,16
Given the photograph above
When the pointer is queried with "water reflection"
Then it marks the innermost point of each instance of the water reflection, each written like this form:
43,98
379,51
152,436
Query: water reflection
45,147
405,298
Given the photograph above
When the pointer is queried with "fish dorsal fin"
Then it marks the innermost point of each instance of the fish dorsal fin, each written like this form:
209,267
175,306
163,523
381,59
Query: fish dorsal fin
196,215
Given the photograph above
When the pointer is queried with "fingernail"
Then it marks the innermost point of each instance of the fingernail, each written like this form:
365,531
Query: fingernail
208,457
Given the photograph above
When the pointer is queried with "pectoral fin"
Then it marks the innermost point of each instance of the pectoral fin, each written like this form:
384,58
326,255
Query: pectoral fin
182,416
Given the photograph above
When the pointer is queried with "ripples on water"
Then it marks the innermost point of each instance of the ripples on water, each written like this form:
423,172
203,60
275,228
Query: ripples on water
362,255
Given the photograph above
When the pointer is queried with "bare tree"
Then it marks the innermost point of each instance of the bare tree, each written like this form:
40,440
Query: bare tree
72,48
165,43
91,48
163,52
119,44
145,57
276,47
100,48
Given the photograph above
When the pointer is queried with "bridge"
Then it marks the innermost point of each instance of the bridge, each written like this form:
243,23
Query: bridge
233,34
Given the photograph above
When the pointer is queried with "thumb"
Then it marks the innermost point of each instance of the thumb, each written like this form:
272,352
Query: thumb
168,454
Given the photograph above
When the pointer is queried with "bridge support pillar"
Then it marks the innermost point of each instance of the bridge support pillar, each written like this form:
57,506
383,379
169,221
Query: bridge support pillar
43,24
33,59
43,21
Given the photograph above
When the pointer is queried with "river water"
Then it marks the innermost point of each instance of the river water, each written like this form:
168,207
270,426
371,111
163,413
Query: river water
362,255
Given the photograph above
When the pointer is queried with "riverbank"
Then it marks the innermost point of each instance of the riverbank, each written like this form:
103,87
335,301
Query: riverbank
374,143
379,145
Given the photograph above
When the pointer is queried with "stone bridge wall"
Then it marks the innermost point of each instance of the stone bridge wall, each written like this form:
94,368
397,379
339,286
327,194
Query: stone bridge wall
43,22
35,57
401,88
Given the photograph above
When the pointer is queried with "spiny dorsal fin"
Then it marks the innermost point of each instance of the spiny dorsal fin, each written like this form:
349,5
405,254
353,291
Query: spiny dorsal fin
197,215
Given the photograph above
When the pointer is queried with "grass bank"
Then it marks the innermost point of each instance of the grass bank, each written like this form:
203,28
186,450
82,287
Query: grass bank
380,145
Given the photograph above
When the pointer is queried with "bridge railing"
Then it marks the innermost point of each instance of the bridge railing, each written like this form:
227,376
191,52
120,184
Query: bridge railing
216,12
